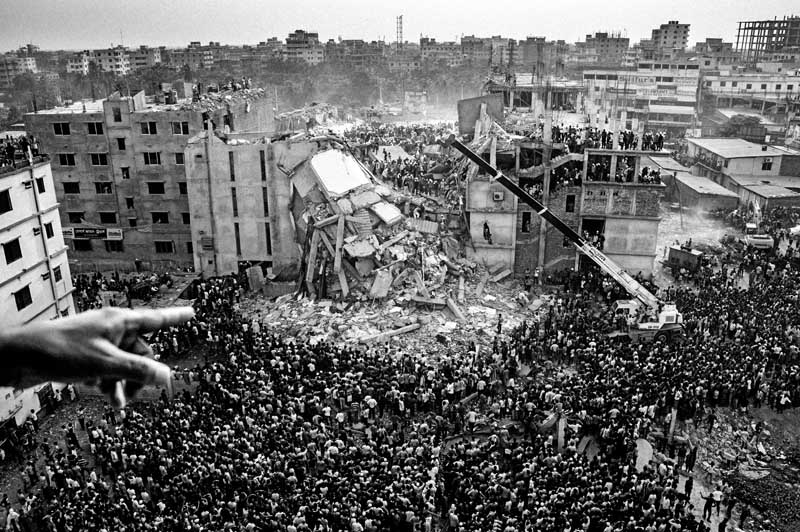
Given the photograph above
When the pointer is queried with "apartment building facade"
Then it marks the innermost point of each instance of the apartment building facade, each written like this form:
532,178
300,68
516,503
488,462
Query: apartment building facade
12,65
304,46
35,280
119,170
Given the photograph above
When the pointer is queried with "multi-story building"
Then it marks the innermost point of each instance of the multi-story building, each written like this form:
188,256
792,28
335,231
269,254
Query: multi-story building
115,60
610,48
670,37
12,65
755,38
304,46
144,57
476,50
714,53
239,201
118,166
721,159
448,53
356,53
35,281
78,63
655,95
772,93
543,57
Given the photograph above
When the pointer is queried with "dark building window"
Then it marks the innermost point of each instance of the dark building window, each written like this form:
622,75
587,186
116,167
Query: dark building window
164,246
82,244
126,172
75,217
179,158
268,237
155,187
263,165
5,202
526,222
180,128
40,185
61,128
129,202
149,128
152,158
182,188
265,199
570,205
236,236
160,217
23,298
66,159
48,230
189,248
108,217
102,187
117,114
12,251
98,159
72,187
57,273
231,164
132,222
766,164
186,218
234,202
95,128
114,246
121,144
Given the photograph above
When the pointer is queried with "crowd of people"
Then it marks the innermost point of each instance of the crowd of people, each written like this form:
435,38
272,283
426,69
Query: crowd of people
89,289
14,150
282,434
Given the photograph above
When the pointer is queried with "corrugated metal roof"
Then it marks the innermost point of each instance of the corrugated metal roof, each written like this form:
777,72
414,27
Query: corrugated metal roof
704,185
671,109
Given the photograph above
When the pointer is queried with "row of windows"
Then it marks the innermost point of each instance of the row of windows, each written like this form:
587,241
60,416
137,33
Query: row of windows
101,159
63,129
12,250
100,187
778,86
110,217
117,246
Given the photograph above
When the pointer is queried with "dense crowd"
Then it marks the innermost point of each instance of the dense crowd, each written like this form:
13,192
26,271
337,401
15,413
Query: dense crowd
280,434
123,288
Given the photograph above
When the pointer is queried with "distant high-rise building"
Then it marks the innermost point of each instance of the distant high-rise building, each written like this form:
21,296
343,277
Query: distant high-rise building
670,37
756,37
304,46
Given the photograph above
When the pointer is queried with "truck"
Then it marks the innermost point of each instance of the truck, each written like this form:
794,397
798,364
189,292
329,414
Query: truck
683,257
647,317
757,239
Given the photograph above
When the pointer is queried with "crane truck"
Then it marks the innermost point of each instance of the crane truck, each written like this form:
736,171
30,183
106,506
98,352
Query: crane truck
647,318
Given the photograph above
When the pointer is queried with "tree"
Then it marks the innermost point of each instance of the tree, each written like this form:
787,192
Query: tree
737,123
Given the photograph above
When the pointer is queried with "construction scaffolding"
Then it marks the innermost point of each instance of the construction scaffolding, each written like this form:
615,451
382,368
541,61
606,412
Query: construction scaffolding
758,37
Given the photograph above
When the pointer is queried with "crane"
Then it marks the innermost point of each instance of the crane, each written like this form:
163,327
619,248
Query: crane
670,321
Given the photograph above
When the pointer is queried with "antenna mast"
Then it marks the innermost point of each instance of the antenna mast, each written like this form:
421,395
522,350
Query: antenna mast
400,32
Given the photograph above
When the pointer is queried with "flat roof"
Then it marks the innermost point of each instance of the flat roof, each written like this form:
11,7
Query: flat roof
81,107
731,112
732,148
665,163
704,185
772,191
785,181
338,172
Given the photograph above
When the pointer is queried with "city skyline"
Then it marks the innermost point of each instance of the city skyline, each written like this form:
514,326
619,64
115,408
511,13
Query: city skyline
74,25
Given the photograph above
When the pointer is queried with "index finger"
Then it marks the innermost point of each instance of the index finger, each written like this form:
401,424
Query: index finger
149,320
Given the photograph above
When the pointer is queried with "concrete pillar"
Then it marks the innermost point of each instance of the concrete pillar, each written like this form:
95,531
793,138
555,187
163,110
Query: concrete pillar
637,167
613,170
516,159
562,425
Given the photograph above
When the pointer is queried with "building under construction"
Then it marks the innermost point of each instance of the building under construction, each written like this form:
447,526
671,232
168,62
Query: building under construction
756,38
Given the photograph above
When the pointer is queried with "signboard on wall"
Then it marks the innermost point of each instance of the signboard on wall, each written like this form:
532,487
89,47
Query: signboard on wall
92,233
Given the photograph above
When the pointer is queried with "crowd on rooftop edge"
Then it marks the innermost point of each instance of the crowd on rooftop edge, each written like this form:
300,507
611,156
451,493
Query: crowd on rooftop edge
279,434
578,138
14,150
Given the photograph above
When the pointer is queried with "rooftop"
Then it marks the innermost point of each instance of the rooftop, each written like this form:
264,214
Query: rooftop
81,107
731,148
745,180
772,191
703,185
671,109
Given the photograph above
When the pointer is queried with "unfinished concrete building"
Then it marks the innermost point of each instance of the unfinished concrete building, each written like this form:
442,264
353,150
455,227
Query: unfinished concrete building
118,167
239,201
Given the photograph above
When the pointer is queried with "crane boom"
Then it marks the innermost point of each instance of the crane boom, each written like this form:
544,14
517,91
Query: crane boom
631,285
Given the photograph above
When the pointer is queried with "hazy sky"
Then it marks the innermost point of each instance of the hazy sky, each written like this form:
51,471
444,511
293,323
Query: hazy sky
76,24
